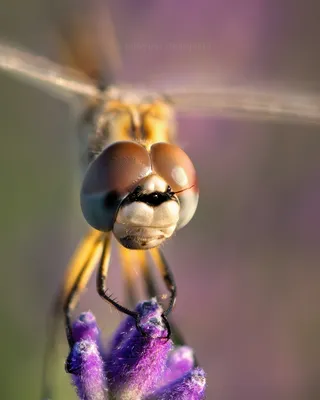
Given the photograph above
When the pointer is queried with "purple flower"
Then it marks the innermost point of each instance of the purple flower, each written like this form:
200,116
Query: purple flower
135,366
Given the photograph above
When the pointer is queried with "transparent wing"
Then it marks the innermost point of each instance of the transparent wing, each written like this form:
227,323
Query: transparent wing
45,73
256,102
87,46
250,102
86,38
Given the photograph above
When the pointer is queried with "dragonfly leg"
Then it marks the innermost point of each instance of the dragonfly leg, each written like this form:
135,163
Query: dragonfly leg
151,290
80,280
129,260
167,276
164,268
102,280
140,256
148,279
78,273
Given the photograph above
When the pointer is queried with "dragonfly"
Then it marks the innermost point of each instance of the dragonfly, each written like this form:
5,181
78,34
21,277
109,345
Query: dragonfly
139,185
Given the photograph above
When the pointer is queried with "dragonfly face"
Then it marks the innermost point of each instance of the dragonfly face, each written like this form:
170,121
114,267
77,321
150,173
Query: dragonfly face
141,190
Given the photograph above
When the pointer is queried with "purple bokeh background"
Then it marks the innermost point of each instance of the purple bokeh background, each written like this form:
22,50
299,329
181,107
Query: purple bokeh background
247,266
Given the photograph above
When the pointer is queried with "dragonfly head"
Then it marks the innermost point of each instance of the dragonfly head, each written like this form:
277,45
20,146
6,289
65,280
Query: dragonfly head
142,195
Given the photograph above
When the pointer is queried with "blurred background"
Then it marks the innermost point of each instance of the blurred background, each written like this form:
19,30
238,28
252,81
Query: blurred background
247,265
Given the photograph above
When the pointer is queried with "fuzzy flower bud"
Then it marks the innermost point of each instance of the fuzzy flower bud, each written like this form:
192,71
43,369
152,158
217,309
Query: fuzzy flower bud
136,366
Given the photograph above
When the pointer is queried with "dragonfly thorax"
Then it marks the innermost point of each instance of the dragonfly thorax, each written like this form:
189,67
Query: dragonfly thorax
144,119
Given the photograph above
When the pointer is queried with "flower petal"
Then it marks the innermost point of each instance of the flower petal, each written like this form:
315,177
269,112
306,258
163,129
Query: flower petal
135,366
146,310
85,327
190,387
180,361
85,362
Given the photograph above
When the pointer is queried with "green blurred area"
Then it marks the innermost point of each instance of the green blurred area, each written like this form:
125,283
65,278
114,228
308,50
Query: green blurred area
247,265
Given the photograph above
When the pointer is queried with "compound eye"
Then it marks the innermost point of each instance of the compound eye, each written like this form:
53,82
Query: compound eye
109,179
173,165
176,168
188,200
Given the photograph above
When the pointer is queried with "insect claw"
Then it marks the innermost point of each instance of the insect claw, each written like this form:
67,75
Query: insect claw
167,325
138,326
